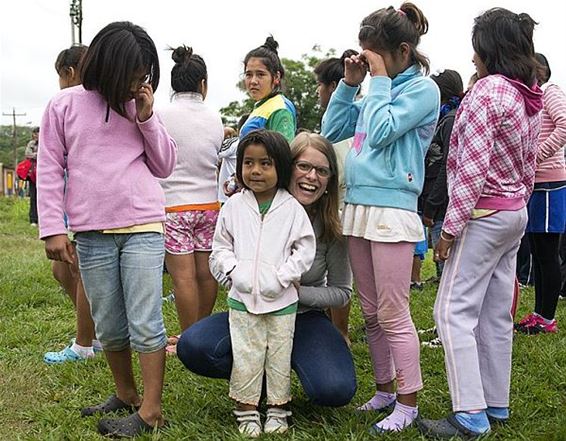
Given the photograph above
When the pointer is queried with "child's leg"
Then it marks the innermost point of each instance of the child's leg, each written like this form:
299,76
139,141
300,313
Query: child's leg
181,267
546,255
416,270
495,332
207,285
99,256
462,291
280,331
278,371
361,260
435,237
392,264
62,273
141,266
248,333
85,325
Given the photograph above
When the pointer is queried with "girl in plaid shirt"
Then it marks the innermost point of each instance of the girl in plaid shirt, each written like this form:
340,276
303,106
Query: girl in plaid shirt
491,170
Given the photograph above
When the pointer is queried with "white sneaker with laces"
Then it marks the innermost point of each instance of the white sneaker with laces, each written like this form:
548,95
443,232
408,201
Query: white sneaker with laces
249,422
276,421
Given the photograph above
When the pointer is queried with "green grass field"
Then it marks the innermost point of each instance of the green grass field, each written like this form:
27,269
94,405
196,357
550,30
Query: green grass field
41,402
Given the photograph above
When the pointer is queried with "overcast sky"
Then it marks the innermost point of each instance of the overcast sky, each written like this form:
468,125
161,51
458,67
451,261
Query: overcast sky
33,32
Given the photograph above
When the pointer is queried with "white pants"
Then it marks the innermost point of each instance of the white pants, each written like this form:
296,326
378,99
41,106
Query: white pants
473,310
261,343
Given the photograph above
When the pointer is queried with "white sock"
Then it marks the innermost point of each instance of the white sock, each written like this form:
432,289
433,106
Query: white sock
545,320
401,417
96,344
83,351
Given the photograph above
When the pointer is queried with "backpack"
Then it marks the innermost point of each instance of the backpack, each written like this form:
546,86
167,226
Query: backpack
26,170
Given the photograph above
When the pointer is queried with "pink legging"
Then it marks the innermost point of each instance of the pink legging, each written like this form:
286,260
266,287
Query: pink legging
382,272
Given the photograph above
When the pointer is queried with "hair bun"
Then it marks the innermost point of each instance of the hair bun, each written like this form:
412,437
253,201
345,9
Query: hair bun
182,54
271,44
415,16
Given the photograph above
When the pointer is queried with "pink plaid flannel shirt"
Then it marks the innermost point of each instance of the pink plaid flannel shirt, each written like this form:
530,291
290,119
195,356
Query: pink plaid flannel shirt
493,150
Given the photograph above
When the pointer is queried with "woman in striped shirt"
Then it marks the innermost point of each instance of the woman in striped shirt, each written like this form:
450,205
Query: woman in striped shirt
547,207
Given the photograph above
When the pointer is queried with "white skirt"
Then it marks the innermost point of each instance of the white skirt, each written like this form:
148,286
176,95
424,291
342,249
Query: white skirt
382,224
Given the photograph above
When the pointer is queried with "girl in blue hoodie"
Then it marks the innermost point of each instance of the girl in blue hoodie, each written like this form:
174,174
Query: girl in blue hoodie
392,128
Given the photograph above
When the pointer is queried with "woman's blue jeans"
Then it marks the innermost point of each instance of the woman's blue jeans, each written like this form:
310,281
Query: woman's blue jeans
320,355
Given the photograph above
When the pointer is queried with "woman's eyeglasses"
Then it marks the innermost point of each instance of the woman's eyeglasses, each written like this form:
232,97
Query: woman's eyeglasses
306,167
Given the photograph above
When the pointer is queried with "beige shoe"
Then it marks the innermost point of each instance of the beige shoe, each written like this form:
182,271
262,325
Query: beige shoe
276,421
248,422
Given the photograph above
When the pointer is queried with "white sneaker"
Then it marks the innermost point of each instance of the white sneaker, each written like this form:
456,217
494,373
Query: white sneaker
248,422
276,421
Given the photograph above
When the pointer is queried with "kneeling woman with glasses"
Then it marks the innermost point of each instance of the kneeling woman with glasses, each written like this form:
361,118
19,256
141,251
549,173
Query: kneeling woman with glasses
320,355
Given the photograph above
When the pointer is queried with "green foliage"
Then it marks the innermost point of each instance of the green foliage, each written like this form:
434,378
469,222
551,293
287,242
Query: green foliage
299,86
40,402
7,143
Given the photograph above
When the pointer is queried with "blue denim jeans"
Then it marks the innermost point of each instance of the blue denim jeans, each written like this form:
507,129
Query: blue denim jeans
122,276
320,356
435,236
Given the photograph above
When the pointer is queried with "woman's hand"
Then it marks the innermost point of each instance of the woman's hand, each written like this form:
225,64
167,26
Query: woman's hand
355,70
442,250
375,63
144,102
428,222
60,248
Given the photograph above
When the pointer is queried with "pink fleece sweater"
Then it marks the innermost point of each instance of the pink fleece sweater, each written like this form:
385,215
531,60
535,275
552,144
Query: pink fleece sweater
552,138
112,164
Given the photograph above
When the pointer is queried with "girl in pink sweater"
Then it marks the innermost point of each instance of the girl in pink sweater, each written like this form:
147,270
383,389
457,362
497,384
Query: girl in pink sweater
114,147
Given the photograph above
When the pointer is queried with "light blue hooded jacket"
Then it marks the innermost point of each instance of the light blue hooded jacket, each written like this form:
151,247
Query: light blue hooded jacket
392,128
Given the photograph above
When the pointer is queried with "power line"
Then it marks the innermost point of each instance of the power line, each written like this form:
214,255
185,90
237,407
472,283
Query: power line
14,134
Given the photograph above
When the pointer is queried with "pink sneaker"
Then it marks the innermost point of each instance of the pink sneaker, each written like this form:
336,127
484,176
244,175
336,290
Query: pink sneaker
526,322
543,328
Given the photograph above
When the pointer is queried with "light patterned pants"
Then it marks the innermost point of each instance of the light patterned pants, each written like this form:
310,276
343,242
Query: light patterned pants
261,343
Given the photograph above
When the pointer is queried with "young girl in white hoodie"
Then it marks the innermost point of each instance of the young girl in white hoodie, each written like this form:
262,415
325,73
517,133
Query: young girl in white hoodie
262,245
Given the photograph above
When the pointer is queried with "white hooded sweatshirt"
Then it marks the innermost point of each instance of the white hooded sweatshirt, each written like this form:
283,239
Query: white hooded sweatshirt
262,257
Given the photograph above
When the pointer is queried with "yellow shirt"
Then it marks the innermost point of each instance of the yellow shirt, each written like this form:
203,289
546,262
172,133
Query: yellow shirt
153,227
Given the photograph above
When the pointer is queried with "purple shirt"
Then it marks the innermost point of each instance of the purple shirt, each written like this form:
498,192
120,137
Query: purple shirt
112,164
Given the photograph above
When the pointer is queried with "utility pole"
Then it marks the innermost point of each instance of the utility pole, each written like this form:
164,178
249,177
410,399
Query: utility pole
76,13
14,134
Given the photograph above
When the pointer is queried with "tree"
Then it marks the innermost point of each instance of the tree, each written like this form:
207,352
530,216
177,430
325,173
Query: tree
6,146
299,86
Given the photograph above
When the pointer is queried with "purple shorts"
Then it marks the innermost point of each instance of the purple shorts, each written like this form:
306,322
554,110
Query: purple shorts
189,231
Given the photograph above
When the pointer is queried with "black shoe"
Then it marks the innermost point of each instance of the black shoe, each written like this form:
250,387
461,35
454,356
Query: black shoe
446,428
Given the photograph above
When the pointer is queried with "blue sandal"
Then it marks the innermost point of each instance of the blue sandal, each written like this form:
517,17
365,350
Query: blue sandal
63,356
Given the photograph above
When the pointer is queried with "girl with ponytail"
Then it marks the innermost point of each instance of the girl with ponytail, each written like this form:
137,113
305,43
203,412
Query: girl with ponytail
191,192
392,128
263,76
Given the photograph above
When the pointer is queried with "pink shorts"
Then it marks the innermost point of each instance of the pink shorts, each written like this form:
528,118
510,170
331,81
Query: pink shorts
189,231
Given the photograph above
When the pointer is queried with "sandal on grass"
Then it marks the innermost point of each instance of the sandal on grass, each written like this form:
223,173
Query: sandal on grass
446,428
127,427
112,404
64,356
